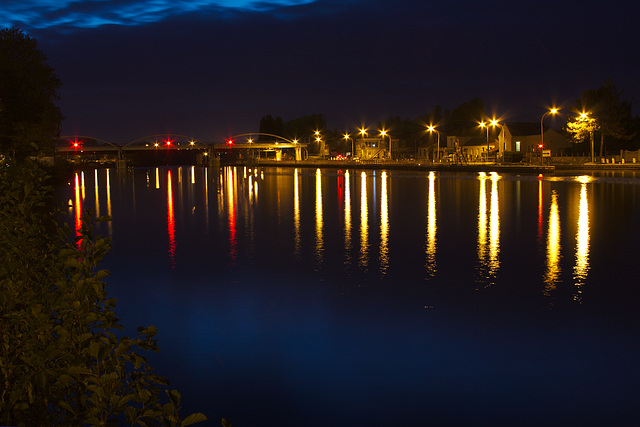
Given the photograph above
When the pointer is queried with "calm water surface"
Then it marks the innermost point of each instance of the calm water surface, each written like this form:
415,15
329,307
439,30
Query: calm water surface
309,297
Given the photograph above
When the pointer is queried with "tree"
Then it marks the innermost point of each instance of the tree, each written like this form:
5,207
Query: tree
612,116
29,117
581,126
61,361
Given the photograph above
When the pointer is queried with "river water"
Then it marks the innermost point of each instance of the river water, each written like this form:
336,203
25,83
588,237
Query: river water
313,297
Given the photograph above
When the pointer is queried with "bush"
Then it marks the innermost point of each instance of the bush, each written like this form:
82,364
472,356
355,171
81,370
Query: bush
61,361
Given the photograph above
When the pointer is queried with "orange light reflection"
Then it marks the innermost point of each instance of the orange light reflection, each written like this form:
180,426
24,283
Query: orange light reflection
171,223
78,209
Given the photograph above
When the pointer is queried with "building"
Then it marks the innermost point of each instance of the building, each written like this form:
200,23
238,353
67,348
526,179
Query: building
525,138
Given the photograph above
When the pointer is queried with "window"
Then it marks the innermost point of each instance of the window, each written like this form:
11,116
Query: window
517,145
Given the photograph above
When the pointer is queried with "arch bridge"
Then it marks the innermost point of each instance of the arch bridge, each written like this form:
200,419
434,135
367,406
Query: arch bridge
246,141
264,142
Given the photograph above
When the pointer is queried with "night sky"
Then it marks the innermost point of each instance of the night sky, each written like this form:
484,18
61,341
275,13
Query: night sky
212,68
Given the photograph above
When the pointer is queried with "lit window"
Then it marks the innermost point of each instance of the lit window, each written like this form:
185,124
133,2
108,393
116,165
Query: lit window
517,145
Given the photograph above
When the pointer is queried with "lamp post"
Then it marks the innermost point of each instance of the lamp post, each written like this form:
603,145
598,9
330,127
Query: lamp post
552,111
483,125
433,129
384,133
495,123
363,132
347,137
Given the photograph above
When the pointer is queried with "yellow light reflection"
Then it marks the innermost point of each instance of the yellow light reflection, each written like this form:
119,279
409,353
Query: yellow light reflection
97,191
581,269
431,227
83,192
482,220
364,222
384,225
193,174
109,223
494,226
347,216
157,179
296,212
319,220
552,274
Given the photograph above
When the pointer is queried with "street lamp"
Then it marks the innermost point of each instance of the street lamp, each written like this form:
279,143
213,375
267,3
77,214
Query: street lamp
493,123
552,111
347,137
363,132
384,133
484,125
433,129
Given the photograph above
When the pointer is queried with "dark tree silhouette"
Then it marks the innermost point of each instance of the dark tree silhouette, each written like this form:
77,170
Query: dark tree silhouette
29,117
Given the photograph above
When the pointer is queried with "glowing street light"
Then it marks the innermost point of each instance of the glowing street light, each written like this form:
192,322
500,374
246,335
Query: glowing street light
431,128
493,123
384,133
552,111
347,137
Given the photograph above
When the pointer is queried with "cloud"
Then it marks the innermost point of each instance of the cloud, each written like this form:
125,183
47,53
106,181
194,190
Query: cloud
41,14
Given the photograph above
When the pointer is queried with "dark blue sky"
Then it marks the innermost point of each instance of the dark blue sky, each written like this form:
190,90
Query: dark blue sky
210,69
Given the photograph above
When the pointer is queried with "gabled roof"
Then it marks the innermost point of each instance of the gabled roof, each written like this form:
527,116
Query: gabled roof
523,128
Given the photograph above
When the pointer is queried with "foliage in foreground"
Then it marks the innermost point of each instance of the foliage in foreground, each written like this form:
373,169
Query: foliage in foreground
61,361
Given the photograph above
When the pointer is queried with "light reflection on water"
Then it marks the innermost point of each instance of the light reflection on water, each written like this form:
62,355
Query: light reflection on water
230,191
234,187
384,225
233,288
364,222
581,268
552,275
347,217
431,264
319,220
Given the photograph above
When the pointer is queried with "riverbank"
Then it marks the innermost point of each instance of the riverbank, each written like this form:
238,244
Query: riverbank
450,167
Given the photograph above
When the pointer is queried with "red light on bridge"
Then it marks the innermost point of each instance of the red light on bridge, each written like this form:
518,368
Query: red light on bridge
229,141
75,143
169,142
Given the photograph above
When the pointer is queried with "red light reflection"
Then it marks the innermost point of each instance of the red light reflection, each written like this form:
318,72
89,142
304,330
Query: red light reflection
171,222
78,209
232,212
540,219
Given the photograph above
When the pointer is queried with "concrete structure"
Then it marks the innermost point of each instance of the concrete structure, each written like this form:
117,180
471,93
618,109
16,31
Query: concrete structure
372,148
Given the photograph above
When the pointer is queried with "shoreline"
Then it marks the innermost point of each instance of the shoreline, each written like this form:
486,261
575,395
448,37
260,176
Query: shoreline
473,167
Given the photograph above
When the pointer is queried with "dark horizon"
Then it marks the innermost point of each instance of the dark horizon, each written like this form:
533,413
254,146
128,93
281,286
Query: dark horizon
215,70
